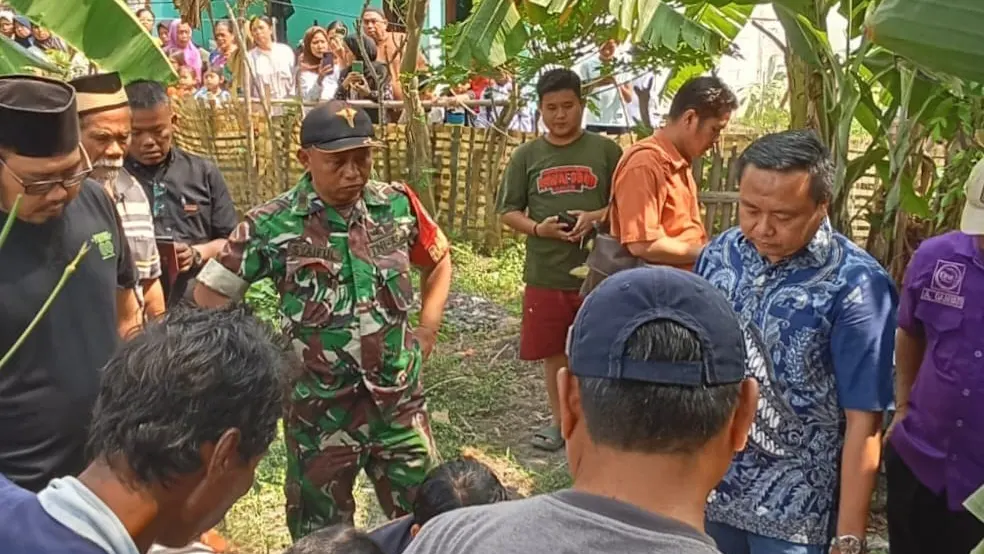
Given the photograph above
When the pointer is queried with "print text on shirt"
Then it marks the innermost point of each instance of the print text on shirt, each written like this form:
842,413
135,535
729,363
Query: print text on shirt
566,179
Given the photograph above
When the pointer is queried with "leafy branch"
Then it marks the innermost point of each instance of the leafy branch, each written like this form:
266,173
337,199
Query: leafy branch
69,270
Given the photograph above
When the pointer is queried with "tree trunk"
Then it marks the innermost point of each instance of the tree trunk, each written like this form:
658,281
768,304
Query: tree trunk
805,95
419,160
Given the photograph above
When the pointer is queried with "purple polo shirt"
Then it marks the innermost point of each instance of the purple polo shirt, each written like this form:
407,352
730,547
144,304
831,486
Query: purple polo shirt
942,298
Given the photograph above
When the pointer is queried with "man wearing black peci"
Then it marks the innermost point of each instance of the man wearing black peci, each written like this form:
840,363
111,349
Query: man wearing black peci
49,383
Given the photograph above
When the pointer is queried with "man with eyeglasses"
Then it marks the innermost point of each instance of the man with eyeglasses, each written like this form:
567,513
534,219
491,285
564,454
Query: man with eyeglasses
188,196
49,381
390,46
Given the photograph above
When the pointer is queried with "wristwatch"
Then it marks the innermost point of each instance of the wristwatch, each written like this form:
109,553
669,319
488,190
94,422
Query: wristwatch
847,544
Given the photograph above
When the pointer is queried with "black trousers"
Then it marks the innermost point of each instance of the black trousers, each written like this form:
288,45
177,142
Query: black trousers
919,521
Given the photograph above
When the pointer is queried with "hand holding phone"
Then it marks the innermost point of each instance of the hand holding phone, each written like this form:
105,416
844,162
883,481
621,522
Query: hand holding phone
567,219
357,66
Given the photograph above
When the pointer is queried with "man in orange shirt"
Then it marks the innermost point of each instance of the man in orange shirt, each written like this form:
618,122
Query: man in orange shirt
655,212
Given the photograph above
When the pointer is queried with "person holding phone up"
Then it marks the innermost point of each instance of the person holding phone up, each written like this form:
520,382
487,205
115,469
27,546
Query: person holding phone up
317,67
363,78
554,189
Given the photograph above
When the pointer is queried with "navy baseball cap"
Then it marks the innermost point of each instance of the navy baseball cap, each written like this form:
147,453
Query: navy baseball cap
631,298
336,126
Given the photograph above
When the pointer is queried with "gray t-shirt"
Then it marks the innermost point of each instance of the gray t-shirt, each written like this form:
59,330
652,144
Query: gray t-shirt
565,522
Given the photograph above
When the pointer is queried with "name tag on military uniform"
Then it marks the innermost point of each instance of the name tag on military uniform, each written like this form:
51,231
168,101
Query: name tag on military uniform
306,250
387,243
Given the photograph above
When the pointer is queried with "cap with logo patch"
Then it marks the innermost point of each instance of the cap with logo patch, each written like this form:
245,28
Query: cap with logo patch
597,343
972,222
337,126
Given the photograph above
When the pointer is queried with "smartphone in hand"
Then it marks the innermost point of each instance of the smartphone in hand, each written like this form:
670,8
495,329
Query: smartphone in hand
357,67
567,219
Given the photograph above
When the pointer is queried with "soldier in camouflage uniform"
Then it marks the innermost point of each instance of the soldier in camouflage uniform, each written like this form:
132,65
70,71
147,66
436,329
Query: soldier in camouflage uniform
339,248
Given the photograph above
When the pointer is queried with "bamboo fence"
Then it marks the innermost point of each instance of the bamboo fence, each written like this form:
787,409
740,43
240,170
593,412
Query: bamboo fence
463,158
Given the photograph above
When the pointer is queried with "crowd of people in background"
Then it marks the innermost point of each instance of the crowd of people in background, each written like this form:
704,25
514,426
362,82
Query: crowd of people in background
336,62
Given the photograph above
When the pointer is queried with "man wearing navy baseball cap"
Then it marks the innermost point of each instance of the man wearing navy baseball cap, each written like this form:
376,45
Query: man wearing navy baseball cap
653,408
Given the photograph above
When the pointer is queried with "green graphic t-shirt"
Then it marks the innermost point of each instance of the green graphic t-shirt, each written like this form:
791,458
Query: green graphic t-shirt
544,180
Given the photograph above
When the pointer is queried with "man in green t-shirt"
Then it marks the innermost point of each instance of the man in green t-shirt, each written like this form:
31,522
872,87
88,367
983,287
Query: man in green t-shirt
567,172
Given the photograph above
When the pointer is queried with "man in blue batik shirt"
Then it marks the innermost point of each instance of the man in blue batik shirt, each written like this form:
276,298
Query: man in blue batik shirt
827,313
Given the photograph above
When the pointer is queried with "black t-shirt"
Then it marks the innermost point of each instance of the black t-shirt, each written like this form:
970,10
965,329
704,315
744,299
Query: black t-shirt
48,388
190,203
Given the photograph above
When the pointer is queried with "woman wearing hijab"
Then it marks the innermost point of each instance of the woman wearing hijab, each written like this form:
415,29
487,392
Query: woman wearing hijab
317,68
44,40
179,42
371,81
22,31
7,24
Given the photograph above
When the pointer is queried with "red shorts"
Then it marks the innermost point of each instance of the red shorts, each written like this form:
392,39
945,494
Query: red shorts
547,316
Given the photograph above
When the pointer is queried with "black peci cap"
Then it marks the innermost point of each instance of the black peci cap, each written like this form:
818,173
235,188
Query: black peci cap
38,117
336,126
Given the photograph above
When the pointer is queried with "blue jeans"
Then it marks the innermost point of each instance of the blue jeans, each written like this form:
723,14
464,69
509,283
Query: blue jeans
731,540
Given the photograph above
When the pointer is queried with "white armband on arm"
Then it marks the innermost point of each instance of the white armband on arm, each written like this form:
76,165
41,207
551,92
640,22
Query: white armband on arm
218,278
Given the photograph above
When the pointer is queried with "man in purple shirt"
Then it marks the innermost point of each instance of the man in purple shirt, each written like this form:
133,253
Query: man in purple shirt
935,459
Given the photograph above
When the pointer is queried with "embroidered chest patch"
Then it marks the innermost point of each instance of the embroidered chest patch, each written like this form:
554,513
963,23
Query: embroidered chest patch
947,283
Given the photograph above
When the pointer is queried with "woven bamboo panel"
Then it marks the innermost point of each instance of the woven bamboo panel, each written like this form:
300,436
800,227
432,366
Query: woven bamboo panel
463,157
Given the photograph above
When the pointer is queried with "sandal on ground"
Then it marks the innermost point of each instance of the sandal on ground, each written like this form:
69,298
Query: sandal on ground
548,439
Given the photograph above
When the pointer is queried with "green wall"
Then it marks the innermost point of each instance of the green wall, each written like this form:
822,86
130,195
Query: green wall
305,14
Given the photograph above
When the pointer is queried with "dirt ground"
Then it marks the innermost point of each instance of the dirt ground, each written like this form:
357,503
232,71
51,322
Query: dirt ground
484,403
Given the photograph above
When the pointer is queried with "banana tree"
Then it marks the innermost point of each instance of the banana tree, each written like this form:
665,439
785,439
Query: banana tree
106,32
16,59
690,34
943,35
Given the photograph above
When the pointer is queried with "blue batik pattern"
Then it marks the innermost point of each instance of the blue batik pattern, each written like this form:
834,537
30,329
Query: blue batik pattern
784,485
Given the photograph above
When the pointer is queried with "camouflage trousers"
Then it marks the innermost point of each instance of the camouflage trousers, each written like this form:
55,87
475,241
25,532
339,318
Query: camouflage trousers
330,441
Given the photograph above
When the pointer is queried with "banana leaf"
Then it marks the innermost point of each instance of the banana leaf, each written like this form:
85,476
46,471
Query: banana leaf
106,32
495,32
943,35
16,59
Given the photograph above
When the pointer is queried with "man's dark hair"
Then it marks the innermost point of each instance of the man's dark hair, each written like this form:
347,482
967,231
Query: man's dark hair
636,416
556,80
708,96
181,383
793,151
376,11
454,485
337,539
146,95
141,11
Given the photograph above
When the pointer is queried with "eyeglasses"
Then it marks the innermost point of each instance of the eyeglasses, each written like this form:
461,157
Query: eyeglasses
44,186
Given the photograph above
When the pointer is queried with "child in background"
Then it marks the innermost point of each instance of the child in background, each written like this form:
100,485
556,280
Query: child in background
186,81
213,89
